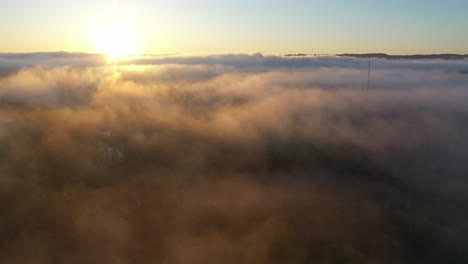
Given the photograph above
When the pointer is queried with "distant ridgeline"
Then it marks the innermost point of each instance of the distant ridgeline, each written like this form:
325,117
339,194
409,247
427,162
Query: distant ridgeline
386,56
415,57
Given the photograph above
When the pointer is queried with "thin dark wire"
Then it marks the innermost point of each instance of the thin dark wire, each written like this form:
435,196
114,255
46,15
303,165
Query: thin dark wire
368,81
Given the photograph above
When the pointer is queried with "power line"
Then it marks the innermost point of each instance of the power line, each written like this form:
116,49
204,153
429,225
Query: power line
368,80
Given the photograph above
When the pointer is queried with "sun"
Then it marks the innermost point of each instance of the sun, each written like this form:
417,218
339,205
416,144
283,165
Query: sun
115,38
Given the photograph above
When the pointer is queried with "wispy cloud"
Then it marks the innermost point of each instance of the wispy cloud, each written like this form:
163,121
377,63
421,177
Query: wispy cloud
242,158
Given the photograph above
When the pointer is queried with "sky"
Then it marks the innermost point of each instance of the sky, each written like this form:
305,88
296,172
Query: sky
242,26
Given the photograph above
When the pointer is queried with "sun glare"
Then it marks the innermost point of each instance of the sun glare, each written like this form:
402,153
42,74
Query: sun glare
115,38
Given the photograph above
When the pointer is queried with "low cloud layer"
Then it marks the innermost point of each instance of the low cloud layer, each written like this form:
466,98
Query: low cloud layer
232,158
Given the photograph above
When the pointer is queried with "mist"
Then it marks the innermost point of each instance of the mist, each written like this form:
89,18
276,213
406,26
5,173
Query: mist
232,159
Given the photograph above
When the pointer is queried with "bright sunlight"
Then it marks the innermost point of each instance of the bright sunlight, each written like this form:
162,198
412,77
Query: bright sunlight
116,38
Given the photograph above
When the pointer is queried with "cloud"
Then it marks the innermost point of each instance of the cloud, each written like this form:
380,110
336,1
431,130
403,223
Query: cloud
11,62
233,158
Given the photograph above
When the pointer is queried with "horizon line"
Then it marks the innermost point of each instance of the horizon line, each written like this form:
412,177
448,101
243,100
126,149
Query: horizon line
351,54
